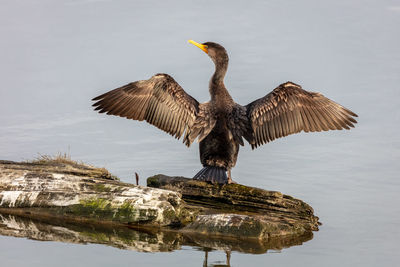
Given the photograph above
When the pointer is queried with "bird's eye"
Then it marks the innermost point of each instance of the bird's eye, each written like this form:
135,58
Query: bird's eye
206,46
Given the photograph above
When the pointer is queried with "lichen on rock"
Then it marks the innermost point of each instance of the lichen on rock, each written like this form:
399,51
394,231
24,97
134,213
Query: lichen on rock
81,194
240,211
84,195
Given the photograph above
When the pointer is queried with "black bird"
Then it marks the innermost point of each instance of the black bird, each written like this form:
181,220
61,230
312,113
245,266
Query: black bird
221,124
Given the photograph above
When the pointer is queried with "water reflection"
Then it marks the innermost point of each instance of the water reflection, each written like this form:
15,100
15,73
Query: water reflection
228,260
137,240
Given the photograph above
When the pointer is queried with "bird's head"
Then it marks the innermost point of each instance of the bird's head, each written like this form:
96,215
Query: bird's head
215,51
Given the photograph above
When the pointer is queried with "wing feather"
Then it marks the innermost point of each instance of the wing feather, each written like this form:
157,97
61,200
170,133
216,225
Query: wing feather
289,109
160,101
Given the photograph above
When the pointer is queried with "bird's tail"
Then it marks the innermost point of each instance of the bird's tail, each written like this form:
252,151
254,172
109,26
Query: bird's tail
212,174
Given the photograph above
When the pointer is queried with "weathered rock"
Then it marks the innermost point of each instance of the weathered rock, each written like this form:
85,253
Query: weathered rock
201,213
238,210
81,193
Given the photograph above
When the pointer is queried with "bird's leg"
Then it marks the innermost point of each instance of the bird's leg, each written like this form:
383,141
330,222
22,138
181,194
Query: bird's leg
228,257
205,264
230,181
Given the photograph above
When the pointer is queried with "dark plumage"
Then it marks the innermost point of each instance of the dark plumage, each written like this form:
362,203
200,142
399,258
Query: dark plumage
221,124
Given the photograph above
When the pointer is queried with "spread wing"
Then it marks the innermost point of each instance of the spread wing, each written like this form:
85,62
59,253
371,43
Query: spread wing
160,101
289,109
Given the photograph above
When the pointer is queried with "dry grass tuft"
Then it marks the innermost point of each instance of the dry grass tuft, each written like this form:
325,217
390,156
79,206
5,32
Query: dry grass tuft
63,162
59,158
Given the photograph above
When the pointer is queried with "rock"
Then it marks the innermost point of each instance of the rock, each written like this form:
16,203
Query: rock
196,212
238,210
83,193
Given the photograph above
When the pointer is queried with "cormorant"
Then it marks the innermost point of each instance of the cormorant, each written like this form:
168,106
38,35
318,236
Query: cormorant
221,124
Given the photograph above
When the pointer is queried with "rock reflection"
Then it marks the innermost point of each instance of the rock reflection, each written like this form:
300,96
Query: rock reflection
137,240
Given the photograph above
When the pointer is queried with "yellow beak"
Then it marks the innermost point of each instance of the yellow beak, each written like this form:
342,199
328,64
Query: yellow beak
201,46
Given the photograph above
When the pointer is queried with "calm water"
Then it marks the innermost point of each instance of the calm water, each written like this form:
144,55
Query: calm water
57,55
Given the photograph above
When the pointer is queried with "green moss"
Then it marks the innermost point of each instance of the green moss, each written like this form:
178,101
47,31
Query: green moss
186,216
101,209
153,181
94,207
169,215
126,213
98,237
101,188
237,187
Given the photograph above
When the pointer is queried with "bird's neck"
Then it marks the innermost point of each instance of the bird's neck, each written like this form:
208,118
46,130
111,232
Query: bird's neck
220,70
218,92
